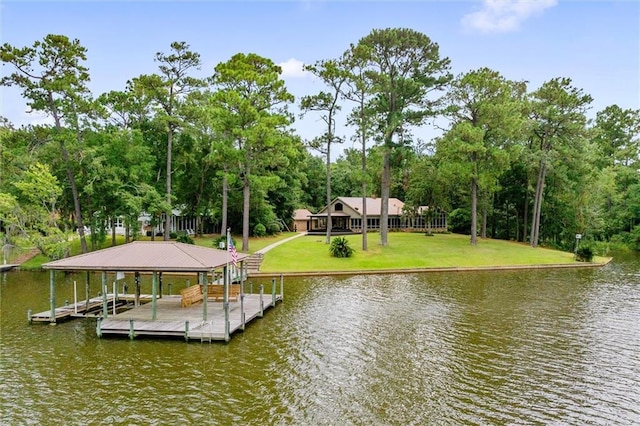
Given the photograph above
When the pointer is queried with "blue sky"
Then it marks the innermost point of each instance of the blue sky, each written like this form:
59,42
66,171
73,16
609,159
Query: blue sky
596,44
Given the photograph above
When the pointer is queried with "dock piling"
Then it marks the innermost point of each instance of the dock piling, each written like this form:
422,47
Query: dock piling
105,304
75,296
227,325
132,332
273,292
52,295
29,313
261,313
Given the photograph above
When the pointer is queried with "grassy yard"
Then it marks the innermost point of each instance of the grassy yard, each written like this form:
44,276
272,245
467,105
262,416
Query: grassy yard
255,243
406,251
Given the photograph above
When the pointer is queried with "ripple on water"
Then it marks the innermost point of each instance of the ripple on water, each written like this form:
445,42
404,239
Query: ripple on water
549,347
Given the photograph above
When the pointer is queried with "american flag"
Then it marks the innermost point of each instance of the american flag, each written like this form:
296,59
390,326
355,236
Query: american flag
232,251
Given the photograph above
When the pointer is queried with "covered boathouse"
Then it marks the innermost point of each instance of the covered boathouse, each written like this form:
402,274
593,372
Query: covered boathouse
191,315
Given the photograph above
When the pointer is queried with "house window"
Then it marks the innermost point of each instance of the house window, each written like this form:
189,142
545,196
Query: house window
338,207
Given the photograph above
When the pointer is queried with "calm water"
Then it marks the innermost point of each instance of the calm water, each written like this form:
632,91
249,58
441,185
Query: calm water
526,347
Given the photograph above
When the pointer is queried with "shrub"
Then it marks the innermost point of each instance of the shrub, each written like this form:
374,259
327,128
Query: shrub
173,235
584,254
259,230
460,221
274,228
184,238
340,247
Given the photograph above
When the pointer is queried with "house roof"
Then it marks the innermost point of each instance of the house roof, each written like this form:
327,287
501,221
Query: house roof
301,214
147,256
374,205
333,214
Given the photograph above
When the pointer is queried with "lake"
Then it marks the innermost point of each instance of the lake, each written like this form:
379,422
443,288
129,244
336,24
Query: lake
548,346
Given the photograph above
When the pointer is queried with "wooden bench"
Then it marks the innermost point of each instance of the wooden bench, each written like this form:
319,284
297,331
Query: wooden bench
191,295
216,292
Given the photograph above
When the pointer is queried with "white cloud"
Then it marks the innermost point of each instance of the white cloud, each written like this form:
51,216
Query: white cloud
293,68
35,118
499,16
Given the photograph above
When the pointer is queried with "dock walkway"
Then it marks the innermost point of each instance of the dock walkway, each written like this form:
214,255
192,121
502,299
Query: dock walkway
87,308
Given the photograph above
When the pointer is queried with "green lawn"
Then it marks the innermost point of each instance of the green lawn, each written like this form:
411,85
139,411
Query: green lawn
406,251
255,243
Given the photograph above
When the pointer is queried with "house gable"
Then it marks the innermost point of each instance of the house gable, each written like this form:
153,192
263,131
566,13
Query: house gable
353,207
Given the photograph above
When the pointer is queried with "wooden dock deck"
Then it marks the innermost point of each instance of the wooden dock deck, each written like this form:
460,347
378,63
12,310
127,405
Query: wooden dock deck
7,267
173,320
91,308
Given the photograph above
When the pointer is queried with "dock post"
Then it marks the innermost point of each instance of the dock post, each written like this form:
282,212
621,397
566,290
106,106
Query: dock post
105,306
154,295
86,290
52,296
251,287
75,296
137,296
115,297
281,287
242,323
226,321
98,329
29,314
132,333
169,285
205,296
261,313
186,330
273,292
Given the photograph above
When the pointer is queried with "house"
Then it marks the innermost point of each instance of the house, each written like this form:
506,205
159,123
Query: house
346,217
301,220
146,225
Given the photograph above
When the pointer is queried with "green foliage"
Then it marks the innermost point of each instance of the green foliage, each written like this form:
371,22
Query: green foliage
173,235
340,247
584,253
459,221
635,238
405,71
274,228
53,243
113,153
259,230
184,238
221,239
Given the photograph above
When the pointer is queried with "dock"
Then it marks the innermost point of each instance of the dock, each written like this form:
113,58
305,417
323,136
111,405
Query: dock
7,267
187,315
172,320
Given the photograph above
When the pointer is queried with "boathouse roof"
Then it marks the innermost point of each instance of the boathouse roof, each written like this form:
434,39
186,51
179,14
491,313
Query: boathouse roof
147,256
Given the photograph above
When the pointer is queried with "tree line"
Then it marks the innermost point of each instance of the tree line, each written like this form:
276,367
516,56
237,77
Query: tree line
512,162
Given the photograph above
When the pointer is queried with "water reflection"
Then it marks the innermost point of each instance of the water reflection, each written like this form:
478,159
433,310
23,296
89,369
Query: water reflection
542,346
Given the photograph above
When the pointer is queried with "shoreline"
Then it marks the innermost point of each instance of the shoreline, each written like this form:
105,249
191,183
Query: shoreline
427,270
